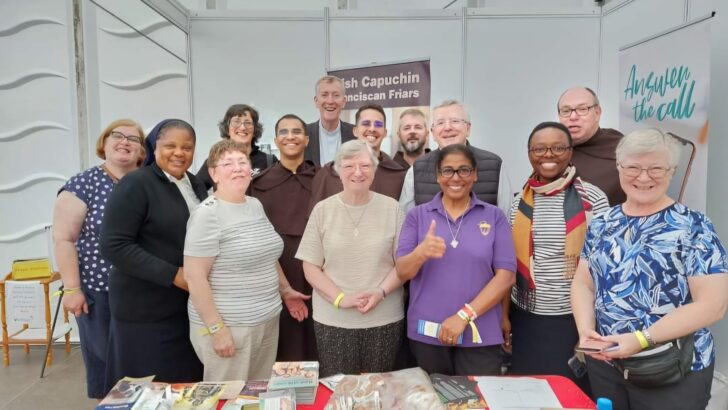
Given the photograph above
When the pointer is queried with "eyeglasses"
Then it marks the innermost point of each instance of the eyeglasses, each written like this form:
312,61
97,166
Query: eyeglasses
118,136
565,112
235,123
368,123
541,151
455,122
284,132
228,165
654,172
463,172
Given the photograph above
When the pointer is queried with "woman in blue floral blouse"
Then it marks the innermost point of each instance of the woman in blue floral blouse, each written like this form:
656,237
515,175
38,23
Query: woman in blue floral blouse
652,270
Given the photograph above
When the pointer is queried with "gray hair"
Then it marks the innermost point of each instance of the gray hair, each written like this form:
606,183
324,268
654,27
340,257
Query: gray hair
587,89
448,103
648,140
351,149
330,79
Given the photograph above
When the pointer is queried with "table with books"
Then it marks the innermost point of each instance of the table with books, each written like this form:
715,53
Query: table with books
296,385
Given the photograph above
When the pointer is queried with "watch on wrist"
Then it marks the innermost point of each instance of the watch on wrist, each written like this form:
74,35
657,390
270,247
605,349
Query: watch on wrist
649,338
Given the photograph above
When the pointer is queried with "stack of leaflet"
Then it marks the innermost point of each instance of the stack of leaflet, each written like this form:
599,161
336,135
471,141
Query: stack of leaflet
302,377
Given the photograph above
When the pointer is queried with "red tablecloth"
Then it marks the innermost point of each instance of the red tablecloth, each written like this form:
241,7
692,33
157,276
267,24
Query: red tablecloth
566,391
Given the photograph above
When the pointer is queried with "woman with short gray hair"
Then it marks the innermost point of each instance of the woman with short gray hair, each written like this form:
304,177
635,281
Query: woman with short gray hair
348,251
652,276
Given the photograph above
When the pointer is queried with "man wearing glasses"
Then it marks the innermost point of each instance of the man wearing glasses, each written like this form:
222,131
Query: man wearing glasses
451,125
594,147
329,132
371,127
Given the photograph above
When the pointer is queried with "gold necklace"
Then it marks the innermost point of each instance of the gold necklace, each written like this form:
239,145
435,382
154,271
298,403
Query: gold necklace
351,219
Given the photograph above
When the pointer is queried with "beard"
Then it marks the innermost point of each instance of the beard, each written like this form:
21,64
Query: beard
413,147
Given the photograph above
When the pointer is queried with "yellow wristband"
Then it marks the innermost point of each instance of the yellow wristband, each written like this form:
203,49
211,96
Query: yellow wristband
338,300
65,291
642,339
211,330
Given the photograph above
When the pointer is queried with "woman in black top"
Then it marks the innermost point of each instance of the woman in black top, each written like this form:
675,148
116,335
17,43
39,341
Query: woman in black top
241,124
143,236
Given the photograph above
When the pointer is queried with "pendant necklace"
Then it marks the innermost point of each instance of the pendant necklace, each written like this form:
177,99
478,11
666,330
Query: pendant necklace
348,214
113,177
454,243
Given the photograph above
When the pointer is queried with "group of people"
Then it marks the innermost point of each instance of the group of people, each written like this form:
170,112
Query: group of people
334,251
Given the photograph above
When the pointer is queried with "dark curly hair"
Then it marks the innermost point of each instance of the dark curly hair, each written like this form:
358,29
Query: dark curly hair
237,110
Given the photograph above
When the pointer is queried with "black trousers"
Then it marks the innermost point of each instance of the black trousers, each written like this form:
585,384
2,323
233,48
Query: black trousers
458,361
692,393
544,344
93,329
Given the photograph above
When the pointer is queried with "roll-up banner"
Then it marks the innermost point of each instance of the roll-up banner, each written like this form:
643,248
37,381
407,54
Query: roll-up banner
665,83
395,86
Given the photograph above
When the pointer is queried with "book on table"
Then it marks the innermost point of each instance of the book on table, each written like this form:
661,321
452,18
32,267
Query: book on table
125,393
302,377
458,392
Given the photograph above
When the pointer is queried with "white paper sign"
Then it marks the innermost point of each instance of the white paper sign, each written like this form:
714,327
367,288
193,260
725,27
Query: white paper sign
517,393
25,303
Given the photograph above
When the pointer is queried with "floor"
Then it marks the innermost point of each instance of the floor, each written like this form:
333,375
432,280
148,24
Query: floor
62,388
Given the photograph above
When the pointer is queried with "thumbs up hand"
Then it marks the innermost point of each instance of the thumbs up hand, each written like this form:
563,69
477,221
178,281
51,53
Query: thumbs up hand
432,246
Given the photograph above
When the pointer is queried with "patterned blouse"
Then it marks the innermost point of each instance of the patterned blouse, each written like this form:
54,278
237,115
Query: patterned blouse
92,186
641,266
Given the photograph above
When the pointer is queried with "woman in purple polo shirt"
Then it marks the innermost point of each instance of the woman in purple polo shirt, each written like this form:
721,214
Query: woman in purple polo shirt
458,253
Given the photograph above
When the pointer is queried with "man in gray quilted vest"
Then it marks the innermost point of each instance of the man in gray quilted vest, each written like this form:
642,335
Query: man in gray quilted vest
451,125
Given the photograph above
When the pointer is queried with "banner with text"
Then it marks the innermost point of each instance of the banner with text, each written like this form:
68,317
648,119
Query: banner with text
665,83
396,87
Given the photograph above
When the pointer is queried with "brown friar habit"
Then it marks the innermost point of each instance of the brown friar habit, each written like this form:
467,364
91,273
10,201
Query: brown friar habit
285,196
388,180
596,162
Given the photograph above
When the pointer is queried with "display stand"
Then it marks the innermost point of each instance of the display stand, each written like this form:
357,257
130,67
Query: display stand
27,336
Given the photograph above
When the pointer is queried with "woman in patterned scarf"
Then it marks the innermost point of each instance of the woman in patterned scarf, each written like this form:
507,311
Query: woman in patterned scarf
652,270
549,219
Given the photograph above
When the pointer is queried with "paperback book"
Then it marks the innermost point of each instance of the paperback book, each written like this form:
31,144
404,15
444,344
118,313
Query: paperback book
302,377
125,393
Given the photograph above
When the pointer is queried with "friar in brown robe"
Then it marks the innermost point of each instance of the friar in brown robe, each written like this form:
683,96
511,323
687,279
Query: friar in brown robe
284,189
596,162
389,177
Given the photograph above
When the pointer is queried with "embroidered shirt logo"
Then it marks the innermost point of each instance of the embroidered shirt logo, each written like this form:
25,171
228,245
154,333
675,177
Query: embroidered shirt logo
484,228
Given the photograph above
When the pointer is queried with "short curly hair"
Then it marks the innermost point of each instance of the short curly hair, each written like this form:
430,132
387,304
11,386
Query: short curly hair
220,148
237,110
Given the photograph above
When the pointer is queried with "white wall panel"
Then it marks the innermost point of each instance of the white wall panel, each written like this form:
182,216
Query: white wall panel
267,63
38,145
516,69
37,139
134,17
134,76
717,195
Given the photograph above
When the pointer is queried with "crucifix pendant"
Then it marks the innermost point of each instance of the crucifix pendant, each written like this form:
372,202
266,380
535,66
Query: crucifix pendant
454,243
356,231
